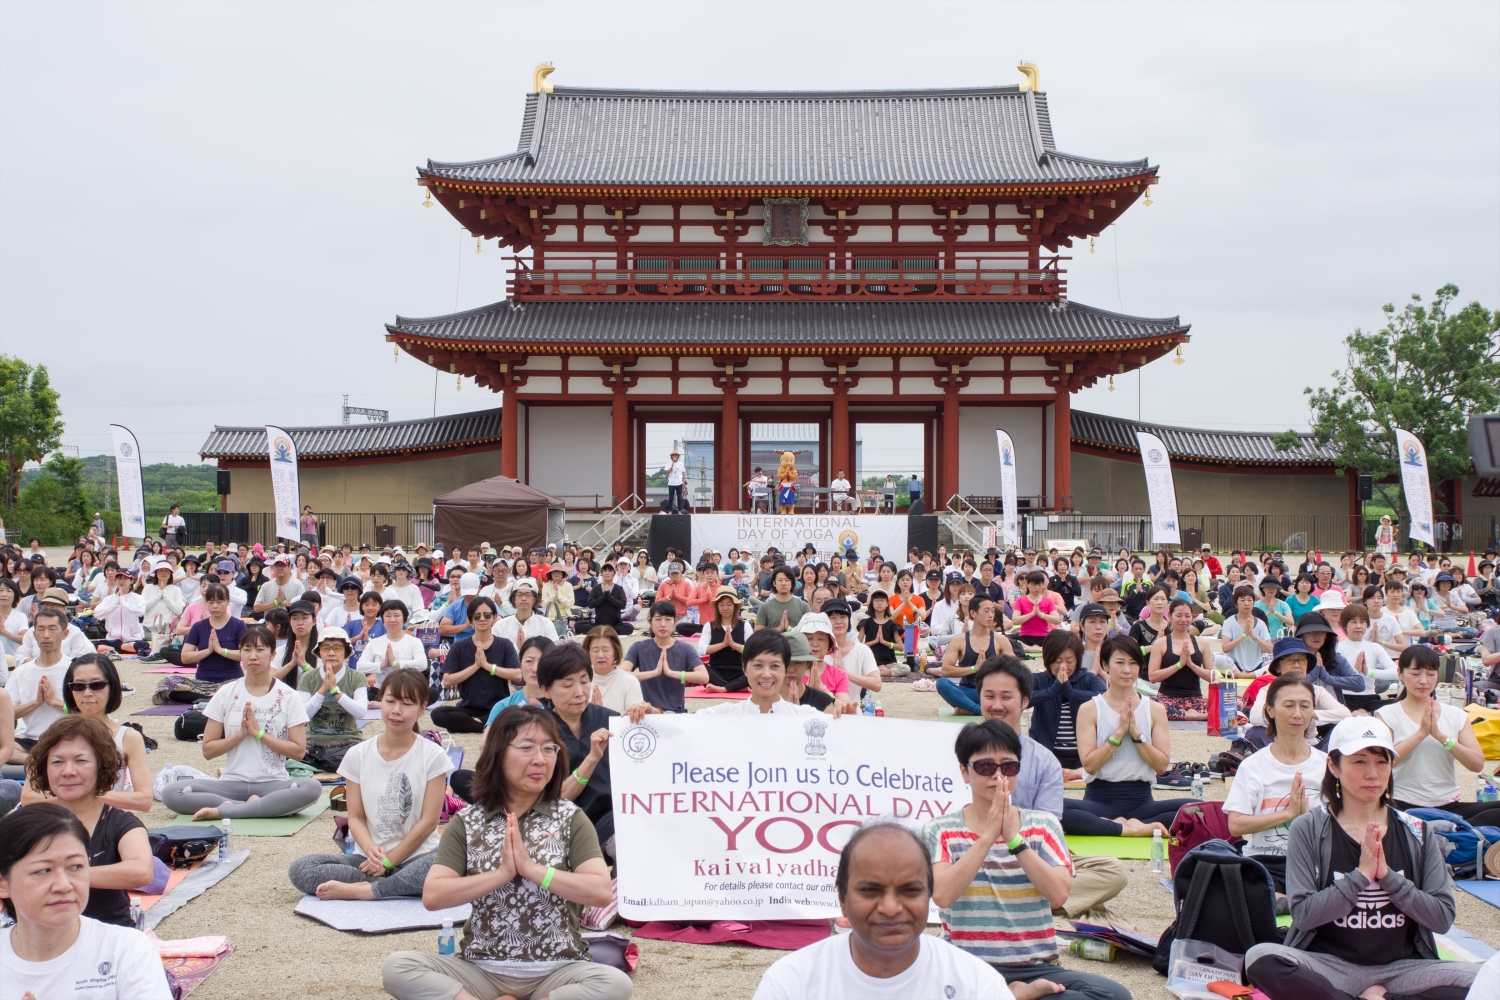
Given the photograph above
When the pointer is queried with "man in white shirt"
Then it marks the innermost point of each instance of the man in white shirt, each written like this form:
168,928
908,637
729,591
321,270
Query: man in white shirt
74,642
759,488
884,887
676,477
525,624
839,493
36,688
283,589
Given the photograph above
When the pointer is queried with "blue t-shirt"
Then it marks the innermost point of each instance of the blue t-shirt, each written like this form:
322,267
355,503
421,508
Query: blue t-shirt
213,668
376,631
519,698
457,613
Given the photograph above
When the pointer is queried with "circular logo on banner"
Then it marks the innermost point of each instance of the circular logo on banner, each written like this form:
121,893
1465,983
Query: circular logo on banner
1154,454
639,742
848,539
125,449
1413,453
283,449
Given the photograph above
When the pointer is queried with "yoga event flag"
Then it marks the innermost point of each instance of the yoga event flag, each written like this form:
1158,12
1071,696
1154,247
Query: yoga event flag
284,481
1009,518
128,476
829,533
1159,488
742,817
1415,484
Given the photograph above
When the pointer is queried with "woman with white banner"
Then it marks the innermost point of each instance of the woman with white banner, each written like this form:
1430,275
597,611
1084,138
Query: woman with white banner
766,656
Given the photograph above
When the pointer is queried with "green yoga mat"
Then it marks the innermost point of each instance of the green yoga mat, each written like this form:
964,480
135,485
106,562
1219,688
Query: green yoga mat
281,826
946,714
1125,848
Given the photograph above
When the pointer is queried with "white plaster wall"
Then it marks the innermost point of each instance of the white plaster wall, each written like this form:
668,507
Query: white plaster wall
979,456
570,449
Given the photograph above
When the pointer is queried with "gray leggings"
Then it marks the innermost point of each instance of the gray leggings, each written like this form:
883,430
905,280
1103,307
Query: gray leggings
419,975
278,796
1280,971
312,870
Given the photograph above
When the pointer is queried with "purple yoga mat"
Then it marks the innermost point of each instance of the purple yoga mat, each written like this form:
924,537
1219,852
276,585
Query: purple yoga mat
164,710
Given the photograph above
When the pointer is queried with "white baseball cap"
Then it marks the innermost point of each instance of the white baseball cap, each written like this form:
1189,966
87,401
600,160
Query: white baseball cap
468,585
1360,733
1333,597
525,583
815,621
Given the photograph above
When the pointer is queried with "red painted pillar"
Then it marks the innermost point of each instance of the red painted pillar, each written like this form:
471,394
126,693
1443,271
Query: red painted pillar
729,459
510,436
1062,456
841,456
949,473
619,483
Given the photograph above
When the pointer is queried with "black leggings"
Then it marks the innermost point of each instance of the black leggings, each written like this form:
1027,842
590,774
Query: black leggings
461,782
730,679
1086,817
459,720
1067,758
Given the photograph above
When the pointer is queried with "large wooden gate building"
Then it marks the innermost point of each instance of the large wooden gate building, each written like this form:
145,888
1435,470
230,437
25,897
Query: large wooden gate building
824,257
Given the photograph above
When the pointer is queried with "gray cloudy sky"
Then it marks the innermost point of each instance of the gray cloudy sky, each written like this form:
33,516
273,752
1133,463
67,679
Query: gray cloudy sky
207,211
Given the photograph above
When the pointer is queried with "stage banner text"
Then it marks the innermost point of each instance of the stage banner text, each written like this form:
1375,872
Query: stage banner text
829,533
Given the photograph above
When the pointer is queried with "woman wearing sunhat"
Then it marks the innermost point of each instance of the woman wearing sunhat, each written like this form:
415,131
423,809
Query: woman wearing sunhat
557,594
1329,670
1290,656
1385,536
723,641
334,697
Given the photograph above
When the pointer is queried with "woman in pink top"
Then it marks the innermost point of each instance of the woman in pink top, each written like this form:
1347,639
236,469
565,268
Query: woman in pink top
1038,611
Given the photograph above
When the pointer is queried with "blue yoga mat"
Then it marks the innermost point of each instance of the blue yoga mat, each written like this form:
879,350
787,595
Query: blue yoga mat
1488,890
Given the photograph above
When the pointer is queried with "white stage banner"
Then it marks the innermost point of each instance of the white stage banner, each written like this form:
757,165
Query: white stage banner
1159,488
829,533
742,817
128,477
1415,484
284,482
1009,516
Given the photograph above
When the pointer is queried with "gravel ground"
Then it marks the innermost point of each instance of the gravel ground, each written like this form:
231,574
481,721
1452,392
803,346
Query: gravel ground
279,953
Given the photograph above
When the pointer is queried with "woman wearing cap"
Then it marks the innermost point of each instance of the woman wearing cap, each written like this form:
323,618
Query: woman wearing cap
1385,536
333,696
91,689
609,599
1367,888
121,612
1282,780
1291,656
1429,737
395,786
403,588
723,641
299,652
161,599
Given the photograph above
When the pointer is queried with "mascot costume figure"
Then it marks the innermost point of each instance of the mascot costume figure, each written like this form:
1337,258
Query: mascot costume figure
786,481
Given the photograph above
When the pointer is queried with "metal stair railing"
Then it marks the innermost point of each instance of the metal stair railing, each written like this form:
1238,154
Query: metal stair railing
626,517
960,518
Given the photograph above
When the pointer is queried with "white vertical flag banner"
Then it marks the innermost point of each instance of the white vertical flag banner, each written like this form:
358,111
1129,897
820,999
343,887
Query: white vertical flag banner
128,475
1159,488
1009,516
1415,484
284,481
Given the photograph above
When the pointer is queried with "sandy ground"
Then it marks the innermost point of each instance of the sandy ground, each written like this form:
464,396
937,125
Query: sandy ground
279,953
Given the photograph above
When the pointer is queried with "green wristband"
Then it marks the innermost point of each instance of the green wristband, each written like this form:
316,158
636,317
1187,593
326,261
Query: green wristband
1116,742
581,781
261,735
388,866
1014,844
547,879
1451,743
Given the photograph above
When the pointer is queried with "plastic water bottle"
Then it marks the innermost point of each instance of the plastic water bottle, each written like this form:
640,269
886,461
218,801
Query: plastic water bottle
1198,786
1488,792
879,710
1091,948
447,940
137,915
1158,852
226,845
349,843
868,707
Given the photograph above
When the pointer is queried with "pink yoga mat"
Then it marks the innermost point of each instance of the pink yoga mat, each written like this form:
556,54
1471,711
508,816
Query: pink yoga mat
698,692
171,670
783,935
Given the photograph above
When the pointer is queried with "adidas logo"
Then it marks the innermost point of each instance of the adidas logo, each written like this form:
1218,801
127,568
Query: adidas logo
1369,735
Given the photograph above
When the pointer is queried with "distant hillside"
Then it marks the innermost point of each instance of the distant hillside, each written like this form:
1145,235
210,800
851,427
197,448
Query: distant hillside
192,487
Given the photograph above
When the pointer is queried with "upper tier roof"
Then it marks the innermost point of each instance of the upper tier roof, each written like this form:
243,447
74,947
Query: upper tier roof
722,325
990,135
396,437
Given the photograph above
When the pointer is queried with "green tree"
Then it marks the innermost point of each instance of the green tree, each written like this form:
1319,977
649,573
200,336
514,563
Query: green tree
1426,371
30,422
53,505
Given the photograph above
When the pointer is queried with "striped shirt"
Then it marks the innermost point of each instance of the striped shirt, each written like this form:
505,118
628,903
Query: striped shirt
1001,917
1067,727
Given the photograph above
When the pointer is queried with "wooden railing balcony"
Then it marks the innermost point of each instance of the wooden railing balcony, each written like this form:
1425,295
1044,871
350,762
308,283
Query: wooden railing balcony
988,276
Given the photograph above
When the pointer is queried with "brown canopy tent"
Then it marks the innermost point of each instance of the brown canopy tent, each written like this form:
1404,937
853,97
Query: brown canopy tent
500,511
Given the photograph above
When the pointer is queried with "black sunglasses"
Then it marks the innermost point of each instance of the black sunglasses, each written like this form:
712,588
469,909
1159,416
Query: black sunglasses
88,685
987,768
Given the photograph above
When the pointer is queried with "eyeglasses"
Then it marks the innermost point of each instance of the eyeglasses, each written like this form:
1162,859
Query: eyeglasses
486,616
88,685
528,749
987,768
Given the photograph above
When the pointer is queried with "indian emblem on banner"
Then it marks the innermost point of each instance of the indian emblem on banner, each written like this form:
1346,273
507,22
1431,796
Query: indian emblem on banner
125,449
638,742
1155,456
283,449
815,728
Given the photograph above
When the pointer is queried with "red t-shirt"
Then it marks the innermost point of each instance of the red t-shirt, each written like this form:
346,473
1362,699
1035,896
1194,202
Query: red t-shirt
1049,604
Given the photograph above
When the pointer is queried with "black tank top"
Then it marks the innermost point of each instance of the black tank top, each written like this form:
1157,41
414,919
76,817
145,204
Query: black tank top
1184,683
972,658
726,657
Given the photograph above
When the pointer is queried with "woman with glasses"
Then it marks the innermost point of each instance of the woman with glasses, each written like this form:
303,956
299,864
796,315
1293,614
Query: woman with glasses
527,859
482,667
395,786
91,688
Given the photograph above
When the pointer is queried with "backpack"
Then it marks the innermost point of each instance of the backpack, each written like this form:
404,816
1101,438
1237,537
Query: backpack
189,726
1197,823
184,846
1461,842
1222,898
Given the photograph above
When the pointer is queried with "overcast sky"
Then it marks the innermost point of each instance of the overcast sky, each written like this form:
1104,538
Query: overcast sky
207,211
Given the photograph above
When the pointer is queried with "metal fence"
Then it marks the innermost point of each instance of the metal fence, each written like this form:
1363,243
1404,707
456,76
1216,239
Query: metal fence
1255,532
333,529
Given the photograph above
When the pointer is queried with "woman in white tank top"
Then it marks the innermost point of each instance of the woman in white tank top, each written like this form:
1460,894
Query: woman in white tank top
1124,744
92,687
1429,738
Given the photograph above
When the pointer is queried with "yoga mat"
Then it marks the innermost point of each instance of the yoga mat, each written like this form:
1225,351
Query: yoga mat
1124,848
171,670
378,916
281,826
785,935
946,714
173,881
1488,890
698,692
1458,944
199,880
174,709
190,972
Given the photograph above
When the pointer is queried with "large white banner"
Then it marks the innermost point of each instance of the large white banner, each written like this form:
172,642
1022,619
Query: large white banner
284,482
128,477
1159,489
829,533
1415,484
1009,516
743,817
